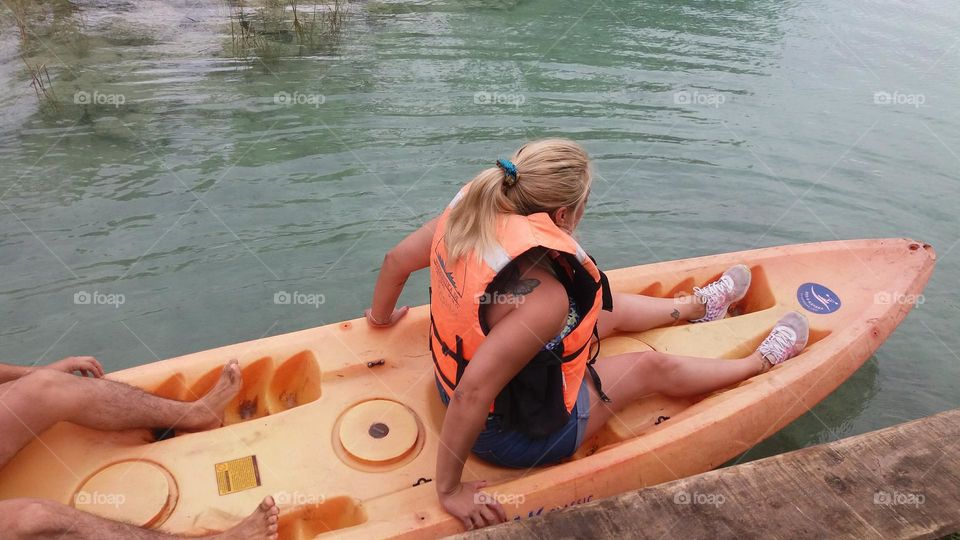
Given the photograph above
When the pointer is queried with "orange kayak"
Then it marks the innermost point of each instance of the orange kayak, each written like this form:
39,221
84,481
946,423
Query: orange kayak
340,423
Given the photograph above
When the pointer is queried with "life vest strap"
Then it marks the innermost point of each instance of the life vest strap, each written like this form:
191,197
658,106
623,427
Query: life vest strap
606,293
457,355
568,357
597,383
461,361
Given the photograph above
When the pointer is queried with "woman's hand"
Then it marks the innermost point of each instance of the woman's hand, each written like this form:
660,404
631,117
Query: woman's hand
394,317
474,508
85,365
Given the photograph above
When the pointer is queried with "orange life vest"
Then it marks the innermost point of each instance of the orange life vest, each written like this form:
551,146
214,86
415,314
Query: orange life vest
538,400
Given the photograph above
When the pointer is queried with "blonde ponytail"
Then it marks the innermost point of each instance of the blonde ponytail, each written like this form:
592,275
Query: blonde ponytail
551,174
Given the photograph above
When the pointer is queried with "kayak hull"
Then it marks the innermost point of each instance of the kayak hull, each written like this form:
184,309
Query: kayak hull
340,423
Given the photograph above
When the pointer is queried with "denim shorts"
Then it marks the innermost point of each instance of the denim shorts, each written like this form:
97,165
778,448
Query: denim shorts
517,450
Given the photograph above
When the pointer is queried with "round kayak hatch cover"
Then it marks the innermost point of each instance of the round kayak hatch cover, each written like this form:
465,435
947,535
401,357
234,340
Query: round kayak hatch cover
379,431
817,298
138,492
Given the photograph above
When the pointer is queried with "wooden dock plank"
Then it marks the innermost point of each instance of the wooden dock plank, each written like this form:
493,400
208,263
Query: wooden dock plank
898,482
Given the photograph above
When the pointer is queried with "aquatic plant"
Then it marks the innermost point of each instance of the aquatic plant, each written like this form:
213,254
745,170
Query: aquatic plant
324,27
46,21
38,23
267,32
40,81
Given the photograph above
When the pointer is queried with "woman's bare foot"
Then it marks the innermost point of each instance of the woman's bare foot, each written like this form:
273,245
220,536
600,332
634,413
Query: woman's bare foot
207,412
261,524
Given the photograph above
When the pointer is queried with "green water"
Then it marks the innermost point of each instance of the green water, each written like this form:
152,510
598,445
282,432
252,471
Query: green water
199,197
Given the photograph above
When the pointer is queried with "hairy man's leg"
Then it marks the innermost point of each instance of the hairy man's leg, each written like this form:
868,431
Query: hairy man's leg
32,404
28,519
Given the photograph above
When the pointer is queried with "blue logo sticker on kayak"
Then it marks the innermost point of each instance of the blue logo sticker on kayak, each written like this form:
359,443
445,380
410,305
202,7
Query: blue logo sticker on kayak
816,298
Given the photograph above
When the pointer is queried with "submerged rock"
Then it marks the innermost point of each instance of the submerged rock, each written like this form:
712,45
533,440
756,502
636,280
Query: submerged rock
113,128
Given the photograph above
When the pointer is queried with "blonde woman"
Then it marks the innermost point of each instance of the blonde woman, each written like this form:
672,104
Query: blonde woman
516,310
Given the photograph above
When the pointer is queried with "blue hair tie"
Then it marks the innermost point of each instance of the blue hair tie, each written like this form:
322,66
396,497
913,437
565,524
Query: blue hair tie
509,171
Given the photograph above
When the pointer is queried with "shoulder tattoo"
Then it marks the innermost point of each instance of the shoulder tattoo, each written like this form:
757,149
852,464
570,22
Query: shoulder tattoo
522,287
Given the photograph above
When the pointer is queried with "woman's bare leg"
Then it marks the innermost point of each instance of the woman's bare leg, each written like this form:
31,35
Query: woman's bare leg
628,377
636,313
26,519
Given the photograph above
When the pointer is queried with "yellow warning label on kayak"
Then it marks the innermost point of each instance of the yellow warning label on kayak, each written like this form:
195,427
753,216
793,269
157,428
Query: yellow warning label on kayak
237,475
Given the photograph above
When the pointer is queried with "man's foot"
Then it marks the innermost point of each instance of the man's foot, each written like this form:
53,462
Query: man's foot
260,525
719,295
207,412
788,337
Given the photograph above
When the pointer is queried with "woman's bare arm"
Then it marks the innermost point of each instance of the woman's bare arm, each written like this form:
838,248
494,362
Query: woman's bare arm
410,255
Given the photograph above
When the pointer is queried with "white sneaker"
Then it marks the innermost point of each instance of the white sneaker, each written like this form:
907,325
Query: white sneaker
787,339
719,295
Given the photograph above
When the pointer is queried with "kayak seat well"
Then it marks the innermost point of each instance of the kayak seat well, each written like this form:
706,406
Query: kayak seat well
650,412
638,417
269,387
759,298
310,520
738,338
